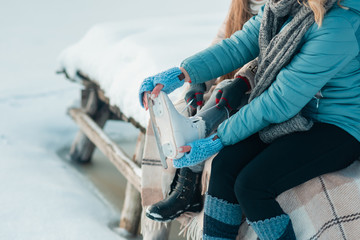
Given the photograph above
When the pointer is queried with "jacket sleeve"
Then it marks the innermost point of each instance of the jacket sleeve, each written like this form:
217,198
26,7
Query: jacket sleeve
227,55
326,50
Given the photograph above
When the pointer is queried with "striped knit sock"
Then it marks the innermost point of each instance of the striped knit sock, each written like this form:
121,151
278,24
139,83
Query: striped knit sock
221,219
276,228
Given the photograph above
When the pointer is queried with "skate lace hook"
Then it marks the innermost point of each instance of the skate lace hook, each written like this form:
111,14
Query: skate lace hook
227,111
187,105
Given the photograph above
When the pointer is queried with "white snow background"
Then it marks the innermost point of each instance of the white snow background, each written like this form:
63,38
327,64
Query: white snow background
41,196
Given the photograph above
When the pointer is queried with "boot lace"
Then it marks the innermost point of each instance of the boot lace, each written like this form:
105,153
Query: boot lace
180,184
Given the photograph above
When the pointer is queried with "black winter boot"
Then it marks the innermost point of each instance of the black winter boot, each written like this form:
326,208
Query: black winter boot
184,197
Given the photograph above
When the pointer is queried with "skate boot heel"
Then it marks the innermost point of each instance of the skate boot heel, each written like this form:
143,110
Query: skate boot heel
170,151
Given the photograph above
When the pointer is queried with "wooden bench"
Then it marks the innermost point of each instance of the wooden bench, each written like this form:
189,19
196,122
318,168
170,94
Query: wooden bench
91,117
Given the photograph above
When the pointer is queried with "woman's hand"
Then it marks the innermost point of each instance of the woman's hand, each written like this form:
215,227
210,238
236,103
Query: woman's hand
166,81
154,94
198,151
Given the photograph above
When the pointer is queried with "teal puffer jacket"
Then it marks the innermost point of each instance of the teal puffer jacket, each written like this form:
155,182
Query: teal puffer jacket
323,77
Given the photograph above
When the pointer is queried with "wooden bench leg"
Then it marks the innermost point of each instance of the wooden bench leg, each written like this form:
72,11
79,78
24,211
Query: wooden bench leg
131,212
82,148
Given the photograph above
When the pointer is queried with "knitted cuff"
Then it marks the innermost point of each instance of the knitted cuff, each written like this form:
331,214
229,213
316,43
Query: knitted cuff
222,210
201,150
221,218
298,123
271,229
245,81
170,79
146,85
249,71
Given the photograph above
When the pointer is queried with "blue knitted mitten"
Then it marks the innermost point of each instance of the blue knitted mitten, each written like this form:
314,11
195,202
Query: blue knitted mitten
201,150
146,85
221,219
171,79
275,228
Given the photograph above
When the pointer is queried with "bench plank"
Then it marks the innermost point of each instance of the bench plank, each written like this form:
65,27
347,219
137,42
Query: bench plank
116,155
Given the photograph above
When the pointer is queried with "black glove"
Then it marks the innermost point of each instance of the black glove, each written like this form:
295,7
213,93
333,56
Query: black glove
195,94
230,96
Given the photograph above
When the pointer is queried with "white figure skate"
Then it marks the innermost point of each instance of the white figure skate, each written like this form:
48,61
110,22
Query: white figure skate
174,130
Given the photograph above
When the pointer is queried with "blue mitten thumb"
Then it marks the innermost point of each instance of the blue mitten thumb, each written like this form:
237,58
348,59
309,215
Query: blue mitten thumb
201,150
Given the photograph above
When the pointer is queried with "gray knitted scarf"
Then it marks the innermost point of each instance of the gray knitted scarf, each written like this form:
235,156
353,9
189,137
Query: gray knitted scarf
276,50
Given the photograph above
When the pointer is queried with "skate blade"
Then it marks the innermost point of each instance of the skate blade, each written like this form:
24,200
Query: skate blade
162,107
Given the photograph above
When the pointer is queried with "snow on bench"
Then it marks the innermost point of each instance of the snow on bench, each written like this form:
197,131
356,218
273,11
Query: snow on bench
118,56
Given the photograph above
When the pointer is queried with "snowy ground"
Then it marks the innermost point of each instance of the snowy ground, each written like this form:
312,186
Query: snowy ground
43,197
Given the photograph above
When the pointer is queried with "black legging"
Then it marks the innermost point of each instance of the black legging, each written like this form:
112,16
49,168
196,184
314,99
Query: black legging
252,173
